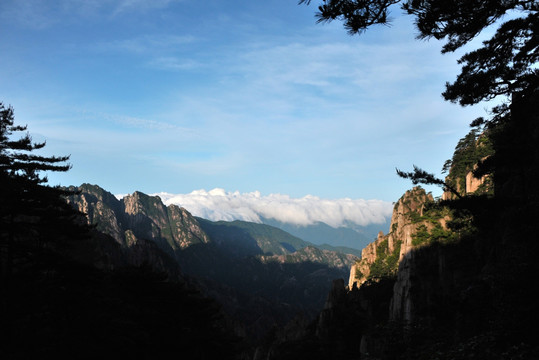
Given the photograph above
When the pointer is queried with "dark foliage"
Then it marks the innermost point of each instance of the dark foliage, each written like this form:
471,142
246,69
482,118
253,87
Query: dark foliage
337,331
420,176
62,309
33,215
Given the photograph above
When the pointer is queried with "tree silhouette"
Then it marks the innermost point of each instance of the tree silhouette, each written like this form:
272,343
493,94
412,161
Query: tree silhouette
34,217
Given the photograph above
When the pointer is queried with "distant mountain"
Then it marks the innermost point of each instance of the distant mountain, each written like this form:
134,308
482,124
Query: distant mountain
235,235
242,239
341,249
270,239
351,236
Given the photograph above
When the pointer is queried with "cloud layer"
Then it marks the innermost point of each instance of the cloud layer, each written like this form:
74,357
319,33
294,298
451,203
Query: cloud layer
218,204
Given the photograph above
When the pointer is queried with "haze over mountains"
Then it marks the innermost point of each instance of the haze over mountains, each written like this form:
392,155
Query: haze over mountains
338,222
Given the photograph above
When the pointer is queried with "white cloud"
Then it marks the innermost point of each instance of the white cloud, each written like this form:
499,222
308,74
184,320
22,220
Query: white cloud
218,204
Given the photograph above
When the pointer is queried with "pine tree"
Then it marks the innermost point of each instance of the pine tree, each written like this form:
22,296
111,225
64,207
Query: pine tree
34,217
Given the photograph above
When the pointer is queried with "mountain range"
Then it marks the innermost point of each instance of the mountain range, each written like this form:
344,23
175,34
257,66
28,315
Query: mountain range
351,223
344,238
260,274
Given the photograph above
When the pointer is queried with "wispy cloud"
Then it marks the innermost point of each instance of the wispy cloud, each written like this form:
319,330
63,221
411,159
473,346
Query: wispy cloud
218,204
122,6
34,14
175,64
41,14
148,44
148,124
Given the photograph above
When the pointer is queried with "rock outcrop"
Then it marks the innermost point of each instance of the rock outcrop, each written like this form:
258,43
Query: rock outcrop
471,151
138,218
415,222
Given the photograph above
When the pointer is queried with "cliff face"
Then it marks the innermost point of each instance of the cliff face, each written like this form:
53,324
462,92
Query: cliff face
440,278
469,185
139,218
415,222
419,284
471,150
114,244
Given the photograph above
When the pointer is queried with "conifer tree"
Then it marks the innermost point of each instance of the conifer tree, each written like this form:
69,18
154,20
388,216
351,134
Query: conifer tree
33,215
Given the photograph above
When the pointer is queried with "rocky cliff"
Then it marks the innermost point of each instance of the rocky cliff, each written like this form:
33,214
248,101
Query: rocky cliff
416,221
464,174
138,216
418,280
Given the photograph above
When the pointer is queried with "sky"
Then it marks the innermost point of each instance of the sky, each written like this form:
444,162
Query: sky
245,97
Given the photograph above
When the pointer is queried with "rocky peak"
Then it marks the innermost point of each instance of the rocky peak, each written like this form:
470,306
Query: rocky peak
101,208
414,222
411,203
138,216
144,204
334,305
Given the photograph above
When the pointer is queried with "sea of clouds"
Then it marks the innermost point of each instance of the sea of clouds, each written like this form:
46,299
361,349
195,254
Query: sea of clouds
218,204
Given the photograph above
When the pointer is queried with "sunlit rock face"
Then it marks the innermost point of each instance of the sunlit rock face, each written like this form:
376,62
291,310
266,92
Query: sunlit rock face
121,238
387,251
138,216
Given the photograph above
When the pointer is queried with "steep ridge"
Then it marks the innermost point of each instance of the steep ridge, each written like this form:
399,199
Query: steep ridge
111,246
273,238
241,238
416,221
138,216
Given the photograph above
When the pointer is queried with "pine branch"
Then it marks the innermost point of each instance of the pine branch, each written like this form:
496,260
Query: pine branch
420,176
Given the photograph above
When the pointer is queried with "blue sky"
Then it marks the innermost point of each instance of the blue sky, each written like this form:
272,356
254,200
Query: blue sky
175,96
